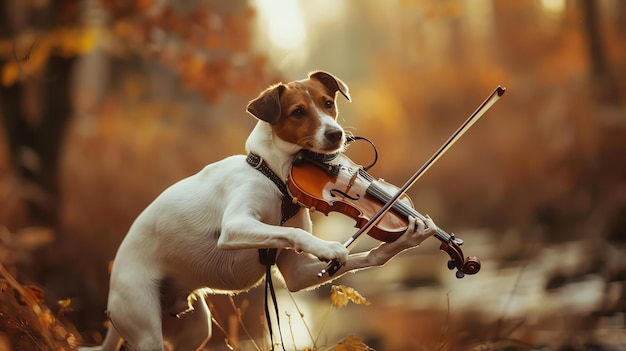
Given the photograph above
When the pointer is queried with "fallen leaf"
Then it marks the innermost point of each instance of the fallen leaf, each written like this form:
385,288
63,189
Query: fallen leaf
10,73
341,295
35,292
65,303
352,343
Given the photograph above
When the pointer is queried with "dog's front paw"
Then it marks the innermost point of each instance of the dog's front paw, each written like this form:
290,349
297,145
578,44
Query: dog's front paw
418,231
324,250
333,250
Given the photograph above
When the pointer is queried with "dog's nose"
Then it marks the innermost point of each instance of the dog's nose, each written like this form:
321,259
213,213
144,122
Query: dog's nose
334,135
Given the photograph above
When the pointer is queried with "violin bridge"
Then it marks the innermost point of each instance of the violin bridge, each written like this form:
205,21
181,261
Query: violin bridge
352,178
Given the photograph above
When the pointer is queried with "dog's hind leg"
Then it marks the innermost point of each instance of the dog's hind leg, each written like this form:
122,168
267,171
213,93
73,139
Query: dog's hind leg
112,342
191,329
135,310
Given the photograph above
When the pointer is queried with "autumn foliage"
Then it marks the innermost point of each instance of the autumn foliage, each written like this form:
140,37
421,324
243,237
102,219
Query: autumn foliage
103,104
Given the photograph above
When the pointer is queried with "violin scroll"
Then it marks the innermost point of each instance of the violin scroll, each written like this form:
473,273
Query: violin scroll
469,265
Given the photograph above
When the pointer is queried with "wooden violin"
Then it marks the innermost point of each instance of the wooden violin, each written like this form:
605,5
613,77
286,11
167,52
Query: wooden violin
342,186
380,209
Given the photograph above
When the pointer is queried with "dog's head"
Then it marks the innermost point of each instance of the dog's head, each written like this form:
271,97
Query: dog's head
304,112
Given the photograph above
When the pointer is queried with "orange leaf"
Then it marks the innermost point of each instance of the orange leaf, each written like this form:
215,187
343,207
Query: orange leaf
10,73
34,292
65,303
341,295
352,343
46,319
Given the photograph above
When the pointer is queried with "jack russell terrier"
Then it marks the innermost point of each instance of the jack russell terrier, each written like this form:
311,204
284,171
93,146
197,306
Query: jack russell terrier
205,231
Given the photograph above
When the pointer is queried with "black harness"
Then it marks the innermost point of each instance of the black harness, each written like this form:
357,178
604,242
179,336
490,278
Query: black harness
267,257
288,207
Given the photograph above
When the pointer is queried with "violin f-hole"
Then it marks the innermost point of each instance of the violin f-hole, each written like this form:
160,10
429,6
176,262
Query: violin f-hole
333,191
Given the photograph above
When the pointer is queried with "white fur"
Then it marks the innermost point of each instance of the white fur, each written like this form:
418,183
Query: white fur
205,232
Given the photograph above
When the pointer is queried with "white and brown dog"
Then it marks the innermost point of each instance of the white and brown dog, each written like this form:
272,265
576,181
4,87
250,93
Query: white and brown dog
206,230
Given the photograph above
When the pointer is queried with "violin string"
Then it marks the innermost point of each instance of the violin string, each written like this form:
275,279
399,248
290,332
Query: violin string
403,209
366,175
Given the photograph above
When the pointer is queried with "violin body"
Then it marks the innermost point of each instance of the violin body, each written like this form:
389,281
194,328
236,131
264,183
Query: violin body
340,185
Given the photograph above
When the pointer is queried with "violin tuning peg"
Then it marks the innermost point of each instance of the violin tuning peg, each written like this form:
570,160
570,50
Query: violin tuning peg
456,240
451,264
460,274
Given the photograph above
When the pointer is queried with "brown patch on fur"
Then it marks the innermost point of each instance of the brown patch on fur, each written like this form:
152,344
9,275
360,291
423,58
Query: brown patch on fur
310,97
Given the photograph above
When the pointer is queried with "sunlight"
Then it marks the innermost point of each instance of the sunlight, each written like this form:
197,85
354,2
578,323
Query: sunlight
289,31
285,23
553,6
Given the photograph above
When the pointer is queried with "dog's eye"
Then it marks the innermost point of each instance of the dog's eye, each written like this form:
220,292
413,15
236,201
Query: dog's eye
329,104
298,113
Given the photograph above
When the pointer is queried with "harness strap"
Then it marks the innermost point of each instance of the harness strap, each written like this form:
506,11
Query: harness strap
288,207
267,257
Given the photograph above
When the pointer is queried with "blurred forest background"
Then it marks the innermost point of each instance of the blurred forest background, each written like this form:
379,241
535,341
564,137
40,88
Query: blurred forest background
103,104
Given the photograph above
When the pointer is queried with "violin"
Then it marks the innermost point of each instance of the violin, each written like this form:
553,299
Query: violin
335,183
342,186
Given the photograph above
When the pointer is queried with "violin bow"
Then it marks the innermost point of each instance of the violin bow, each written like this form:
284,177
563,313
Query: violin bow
334,265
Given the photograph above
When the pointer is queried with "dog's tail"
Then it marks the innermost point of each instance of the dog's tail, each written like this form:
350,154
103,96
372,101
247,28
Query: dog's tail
111,342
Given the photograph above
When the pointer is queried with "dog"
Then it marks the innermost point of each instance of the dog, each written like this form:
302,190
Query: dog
205,231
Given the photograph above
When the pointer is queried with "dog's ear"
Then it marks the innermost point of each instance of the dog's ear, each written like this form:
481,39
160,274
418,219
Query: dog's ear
266,106
331,82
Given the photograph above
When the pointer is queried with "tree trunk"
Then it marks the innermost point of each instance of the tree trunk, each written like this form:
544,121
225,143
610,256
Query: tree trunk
34,146
603,82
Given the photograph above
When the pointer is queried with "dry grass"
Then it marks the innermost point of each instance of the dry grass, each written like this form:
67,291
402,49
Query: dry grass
26,323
